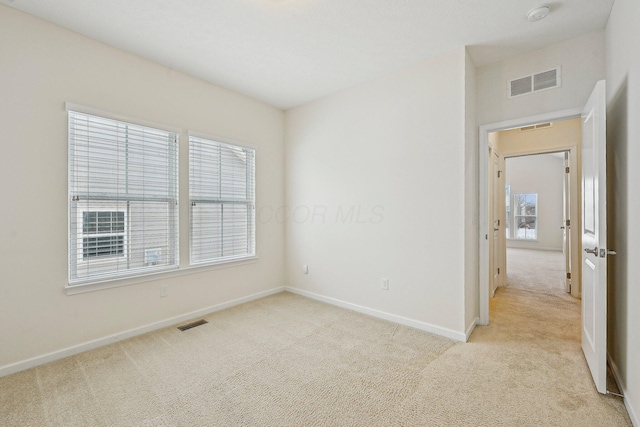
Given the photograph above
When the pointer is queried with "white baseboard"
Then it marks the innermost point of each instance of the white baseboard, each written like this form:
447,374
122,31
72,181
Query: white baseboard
417,324
623,389
471,328
110,339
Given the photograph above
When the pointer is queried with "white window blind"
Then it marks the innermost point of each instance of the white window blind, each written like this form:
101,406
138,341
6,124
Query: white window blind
222,198
123,199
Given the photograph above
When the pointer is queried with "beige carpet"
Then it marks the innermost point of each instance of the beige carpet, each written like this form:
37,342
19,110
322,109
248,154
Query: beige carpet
289,361
536,270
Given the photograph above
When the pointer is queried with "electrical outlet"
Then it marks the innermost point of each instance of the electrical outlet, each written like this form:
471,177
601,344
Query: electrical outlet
385,283
305,269
164,290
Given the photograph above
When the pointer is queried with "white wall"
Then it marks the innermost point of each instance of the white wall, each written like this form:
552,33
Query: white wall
544,175
623,134
582,61
392,151
43,66
471,196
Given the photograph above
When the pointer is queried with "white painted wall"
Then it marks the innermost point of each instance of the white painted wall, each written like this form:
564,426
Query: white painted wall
42,66
472,309
544,175
392,153
623,176
582,61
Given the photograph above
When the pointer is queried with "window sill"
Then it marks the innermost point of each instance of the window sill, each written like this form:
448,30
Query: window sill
160,275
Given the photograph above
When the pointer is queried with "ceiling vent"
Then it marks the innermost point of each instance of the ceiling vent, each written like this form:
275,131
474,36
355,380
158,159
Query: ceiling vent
544,80
534,127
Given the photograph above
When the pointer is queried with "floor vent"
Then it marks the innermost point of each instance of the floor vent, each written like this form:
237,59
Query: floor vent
192,324
537,82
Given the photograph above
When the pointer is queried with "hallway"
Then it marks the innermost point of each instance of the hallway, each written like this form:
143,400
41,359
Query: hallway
539,323
535,270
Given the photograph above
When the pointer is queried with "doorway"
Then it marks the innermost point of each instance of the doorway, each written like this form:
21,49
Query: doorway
537,228
490,148
588,154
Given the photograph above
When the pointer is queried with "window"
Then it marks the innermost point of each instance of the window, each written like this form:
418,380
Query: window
526,216
222,199
507,192
103,234
123,199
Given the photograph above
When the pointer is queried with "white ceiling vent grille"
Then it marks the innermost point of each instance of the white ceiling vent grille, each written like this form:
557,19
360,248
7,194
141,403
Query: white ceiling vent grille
534,127
544,80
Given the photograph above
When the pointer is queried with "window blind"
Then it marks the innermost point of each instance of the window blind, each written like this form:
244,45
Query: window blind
123,199
222,199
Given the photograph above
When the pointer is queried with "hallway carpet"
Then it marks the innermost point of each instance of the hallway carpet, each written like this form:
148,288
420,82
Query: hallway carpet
536,270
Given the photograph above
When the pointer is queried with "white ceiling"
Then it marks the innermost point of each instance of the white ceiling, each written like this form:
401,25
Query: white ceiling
290,52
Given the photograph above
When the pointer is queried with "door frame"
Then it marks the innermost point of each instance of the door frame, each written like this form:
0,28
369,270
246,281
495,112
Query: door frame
496,210
566,229
483,216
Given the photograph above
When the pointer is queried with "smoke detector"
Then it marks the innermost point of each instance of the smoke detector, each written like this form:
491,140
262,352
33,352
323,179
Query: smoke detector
538,13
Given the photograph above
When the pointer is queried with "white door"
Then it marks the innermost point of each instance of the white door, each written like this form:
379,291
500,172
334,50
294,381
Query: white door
594,236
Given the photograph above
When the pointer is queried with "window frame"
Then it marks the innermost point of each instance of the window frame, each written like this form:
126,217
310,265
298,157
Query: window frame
516,216
76,261
182,268
249,201
507,190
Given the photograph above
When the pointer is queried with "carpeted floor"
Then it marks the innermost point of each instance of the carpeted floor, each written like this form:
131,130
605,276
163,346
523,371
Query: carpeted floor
289,361
534,270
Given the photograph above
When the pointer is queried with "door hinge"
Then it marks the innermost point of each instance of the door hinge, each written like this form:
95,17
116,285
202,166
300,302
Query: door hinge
499,174
568,275
568,223
566,169
498,270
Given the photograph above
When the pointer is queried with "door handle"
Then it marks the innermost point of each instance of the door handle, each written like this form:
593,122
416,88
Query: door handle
593,251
